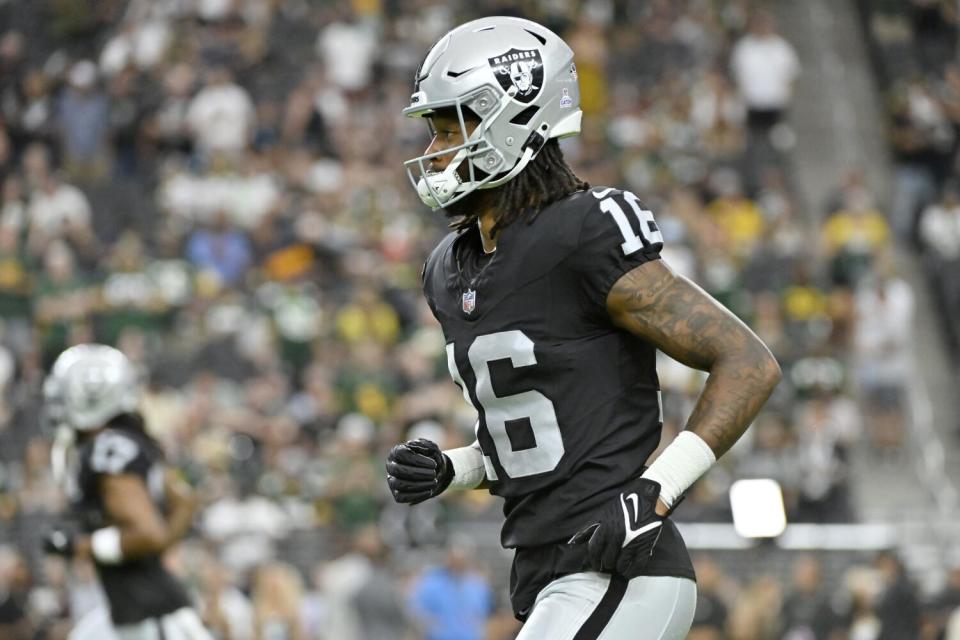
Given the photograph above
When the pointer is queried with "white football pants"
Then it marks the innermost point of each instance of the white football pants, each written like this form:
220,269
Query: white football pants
93,625
594,606
182,624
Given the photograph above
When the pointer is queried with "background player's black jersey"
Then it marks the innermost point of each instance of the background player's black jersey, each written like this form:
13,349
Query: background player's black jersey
136,589
568,403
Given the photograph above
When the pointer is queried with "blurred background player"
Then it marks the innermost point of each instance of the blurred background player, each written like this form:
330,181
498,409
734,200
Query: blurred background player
130,508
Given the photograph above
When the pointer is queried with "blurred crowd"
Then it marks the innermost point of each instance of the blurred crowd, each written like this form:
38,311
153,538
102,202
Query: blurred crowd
868,599
216,188
915,53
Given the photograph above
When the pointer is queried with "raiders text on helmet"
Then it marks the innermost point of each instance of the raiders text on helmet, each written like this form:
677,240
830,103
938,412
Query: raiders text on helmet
518,77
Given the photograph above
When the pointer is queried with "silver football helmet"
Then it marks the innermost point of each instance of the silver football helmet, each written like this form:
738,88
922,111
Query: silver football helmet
89,385
519,78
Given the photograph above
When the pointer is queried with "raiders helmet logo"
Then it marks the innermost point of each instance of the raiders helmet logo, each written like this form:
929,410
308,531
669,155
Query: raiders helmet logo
520,68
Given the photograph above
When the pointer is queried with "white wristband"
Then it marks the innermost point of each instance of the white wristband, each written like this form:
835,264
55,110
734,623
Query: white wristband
468,470
105,546
680,465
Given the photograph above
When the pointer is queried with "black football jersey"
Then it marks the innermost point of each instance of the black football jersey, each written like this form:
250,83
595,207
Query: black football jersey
568,404
136,589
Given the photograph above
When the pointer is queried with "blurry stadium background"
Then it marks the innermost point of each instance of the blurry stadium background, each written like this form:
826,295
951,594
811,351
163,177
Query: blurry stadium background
216,187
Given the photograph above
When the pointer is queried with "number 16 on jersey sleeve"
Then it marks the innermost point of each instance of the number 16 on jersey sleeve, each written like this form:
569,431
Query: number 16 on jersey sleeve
649,232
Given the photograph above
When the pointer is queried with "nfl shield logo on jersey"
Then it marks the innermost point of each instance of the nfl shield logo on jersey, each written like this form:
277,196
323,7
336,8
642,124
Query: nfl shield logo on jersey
469,301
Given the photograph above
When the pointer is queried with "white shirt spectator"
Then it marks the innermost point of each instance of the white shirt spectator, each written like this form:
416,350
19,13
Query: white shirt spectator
143,45
940,230
220,116
884,325
953,626
215,10
13,214
247,199
845,417
238,613
765,68
325,176
7,369
116,54
342,581
51,211
821,468
246,530
349,51
254,196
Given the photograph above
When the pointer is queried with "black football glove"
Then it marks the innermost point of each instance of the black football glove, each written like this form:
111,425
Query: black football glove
59,541
418,470
629,527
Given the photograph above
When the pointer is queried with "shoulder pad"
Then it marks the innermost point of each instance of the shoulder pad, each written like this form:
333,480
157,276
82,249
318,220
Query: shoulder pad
115,452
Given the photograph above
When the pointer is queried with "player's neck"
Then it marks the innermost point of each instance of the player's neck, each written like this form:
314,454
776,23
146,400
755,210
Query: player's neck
485,223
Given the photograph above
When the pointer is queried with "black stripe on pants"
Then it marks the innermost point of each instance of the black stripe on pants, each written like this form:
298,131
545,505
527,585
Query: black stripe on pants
608,604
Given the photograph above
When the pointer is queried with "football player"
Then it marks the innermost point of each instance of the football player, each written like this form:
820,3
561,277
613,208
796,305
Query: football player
553,301
128,505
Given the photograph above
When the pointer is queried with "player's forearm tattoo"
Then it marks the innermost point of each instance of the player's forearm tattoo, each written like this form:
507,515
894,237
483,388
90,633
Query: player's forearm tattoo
687,324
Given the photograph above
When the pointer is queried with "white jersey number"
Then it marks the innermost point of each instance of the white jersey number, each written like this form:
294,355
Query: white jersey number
648,227
530,406
112,452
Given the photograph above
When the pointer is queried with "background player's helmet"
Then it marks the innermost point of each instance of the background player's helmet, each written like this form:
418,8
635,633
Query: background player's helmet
89,385
518,77
54,413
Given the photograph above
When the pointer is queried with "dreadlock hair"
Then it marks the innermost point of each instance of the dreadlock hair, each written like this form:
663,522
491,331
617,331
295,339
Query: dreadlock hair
545,180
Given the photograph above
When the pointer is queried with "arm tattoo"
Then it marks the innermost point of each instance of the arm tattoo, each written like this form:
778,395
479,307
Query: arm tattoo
675,315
